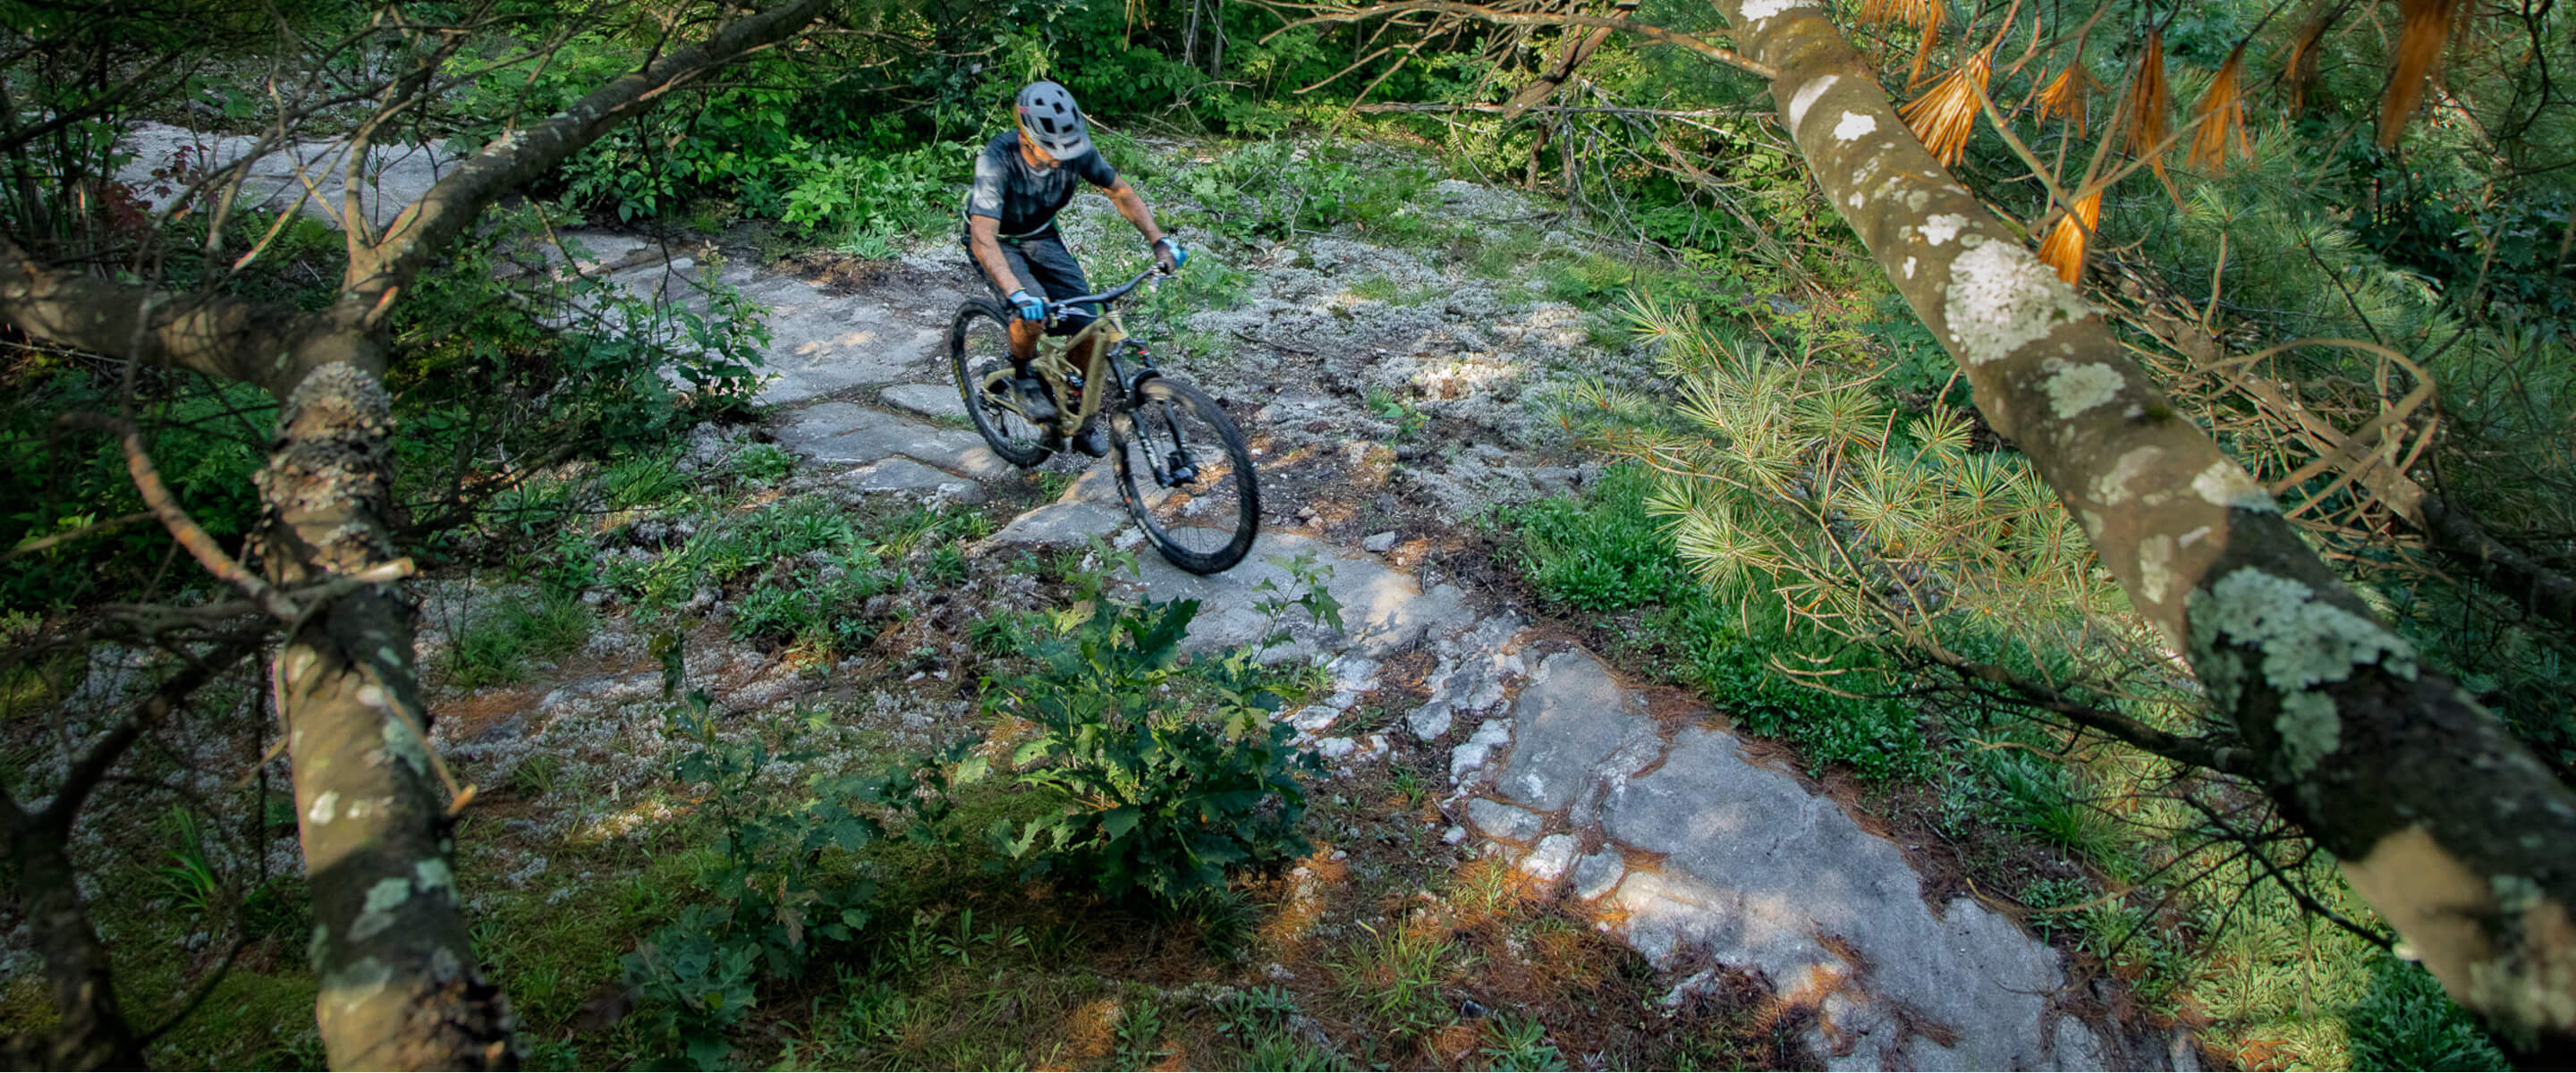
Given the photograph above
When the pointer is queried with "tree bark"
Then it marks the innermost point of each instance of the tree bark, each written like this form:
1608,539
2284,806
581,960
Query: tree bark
93,1032
1575,50
2443,821
219,336
400,987
399,984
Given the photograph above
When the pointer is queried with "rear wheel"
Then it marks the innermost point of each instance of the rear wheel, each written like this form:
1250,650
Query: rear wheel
1186,475
979,352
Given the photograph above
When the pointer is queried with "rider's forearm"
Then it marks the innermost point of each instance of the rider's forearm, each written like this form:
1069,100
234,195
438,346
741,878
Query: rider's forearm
1132,206
984,242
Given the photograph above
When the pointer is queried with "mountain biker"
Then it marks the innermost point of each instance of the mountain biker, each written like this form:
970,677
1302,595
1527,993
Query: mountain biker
1022,179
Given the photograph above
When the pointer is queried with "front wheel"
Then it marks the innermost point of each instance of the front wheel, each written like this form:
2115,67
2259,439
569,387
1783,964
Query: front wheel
1186,475
979,352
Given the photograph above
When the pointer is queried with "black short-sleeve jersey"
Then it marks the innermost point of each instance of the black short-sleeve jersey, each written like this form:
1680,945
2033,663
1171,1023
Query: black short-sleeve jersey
1023,199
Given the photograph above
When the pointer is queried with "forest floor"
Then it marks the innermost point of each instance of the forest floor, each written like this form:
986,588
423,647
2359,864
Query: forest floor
1525,856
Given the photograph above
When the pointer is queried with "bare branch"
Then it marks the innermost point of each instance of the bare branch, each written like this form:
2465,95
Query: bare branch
2227,759
1480,13
424,228
173,691
30,547
1564,109
184,529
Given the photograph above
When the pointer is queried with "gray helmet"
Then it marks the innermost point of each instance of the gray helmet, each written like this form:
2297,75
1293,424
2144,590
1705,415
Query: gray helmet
1047,114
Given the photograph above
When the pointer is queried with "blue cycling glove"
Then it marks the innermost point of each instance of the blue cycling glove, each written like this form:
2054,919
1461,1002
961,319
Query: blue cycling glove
1029,306
1169,254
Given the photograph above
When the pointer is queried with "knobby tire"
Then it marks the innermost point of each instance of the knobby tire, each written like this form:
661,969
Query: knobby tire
972,353
1147,424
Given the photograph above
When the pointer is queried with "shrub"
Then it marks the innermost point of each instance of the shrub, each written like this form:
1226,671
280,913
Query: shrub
1878,739
1600,551
1159,800
814,607
206,439
1279,188
784,882
825,189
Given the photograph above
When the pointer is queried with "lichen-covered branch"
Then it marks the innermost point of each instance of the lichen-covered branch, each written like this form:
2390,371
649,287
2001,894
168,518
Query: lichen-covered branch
2443,821
400,988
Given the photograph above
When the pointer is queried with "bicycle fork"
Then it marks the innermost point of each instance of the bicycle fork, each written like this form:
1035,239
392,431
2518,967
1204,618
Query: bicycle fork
1175,470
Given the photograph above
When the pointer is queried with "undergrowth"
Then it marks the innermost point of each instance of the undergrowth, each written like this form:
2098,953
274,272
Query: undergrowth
1601,556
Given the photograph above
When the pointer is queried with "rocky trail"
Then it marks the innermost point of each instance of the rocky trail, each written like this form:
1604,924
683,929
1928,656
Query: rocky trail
1388,393
1686,845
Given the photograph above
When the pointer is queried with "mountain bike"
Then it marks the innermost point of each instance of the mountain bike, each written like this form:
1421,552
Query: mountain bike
1184,472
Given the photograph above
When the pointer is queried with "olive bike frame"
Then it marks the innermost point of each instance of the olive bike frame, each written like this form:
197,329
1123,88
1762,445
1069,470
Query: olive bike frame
1052,365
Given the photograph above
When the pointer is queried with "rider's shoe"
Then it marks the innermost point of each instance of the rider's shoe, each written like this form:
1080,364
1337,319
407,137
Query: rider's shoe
1033,401
1093,440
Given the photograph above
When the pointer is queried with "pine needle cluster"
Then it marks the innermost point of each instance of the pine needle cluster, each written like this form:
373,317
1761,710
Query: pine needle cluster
1789,477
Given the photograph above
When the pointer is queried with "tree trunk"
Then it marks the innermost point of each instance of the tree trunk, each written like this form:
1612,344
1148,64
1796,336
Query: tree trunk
2443,821
92,1032
399,986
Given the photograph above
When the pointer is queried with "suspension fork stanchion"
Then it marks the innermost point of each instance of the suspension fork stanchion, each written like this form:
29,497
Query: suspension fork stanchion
1167,470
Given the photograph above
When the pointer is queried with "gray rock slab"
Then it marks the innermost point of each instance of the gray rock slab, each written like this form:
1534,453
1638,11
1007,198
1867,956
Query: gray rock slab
821,343
390,178
1598,874
1383,610
597,251
1429,721
1510,823
1378,542
1756,868
1058,525
845,432
675,280
1570,718
1548,861
1471,755
1470,678
1099,484
928,400
906,475
958,451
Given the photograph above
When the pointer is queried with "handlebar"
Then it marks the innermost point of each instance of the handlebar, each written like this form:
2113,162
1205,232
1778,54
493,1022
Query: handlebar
1059,308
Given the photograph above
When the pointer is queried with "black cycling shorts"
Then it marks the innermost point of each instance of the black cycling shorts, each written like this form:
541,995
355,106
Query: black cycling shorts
1049,271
